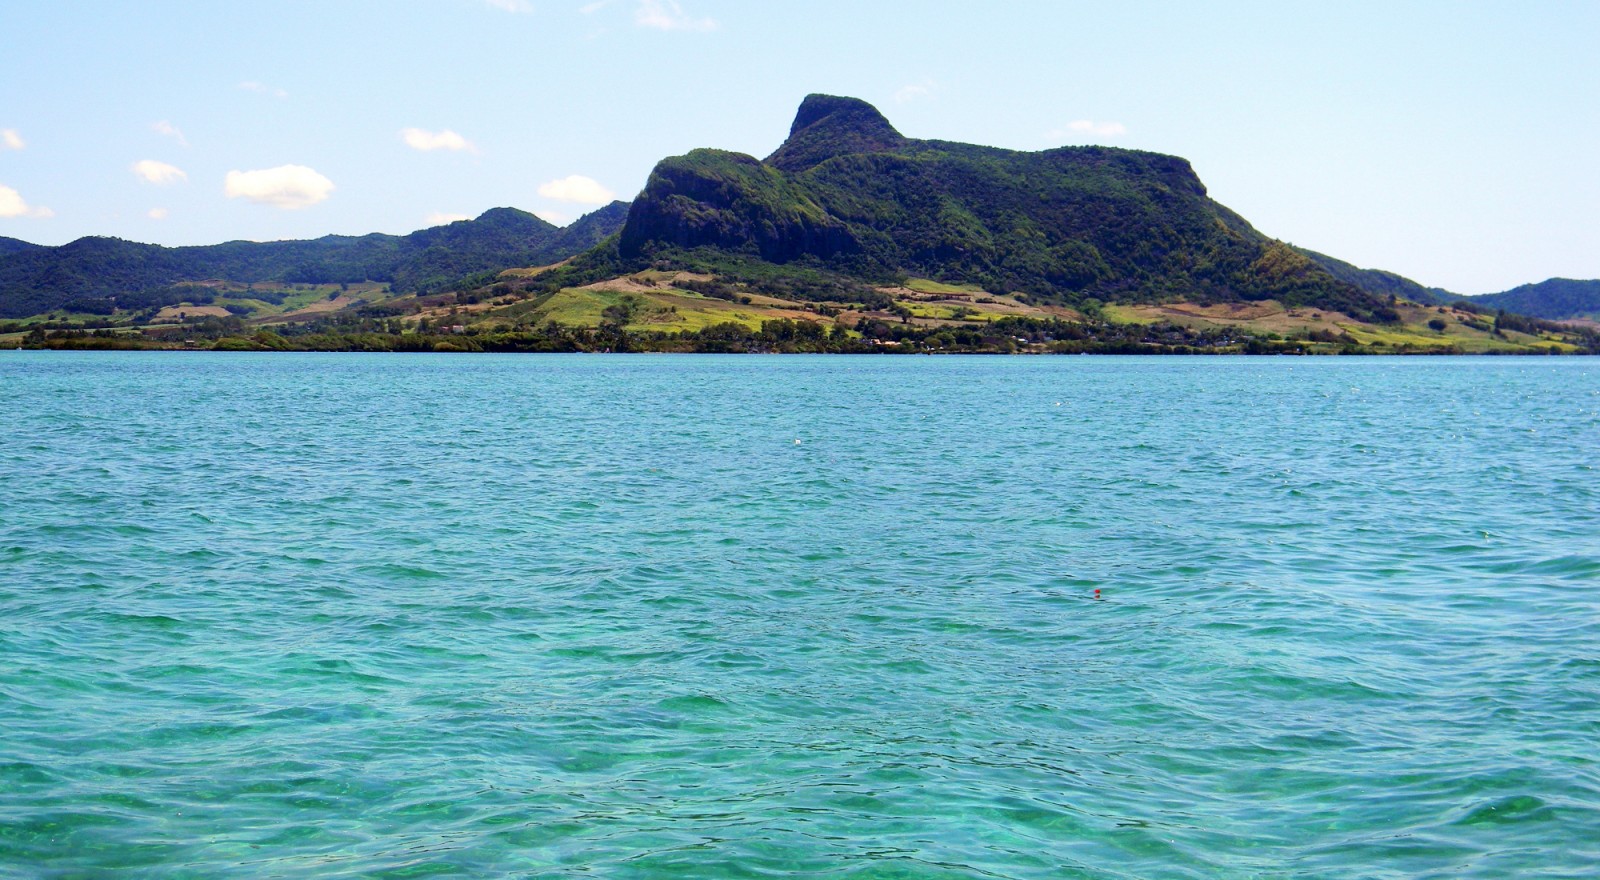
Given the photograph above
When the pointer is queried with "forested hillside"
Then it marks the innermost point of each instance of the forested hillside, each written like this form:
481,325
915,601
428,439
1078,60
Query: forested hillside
96,275
848,194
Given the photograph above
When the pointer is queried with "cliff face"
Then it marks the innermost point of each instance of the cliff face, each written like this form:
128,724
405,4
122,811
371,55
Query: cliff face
849,191
711,198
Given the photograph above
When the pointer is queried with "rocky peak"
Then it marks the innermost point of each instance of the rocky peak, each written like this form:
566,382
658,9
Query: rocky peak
827,126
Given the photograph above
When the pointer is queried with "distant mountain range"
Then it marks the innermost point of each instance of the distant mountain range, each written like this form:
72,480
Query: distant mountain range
14,245
1558,299
96,274
1381,283
845,200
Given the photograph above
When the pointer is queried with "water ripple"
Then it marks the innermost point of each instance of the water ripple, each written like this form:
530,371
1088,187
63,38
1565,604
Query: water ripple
637,617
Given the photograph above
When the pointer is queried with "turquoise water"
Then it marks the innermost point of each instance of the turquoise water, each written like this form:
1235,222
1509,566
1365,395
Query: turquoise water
663,616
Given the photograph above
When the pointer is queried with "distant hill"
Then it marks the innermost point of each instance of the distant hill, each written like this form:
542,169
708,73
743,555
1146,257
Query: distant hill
1381,283
847,193
91,274
1558,299
14,245
590,229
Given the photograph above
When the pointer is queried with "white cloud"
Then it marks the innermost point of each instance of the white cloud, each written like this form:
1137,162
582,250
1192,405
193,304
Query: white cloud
288,186
158,173
511,5
1080,127
915,91
13,205
167,129
261,89
555,218
577,188
439,218
157,214
427,141
667,15
10,140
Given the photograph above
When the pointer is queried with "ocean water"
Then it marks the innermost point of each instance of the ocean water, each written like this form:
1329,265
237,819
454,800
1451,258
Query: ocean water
294,615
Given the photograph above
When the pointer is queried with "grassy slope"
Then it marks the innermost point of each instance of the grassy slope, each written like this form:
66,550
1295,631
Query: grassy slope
672,301
648,299
1464,331
655,304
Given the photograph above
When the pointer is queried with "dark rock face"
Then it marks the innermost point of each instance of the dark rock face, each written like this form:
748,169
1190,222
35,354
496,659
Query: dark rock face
731,201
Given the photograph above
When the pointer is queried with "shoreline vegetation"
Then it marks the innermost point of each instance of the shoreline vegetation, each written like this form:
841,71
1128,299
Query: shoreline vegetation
593,306
577,306
1008,335
597,304
709,301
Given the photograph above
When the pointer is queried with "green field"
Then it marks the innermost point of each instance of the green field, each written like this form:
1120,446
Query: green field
658,301
924,285
659,310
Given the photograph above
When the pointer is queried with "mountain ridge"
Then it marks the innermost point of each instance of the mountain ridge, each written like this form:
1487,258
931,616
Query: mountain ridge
16,245
1381,282
850,194
95,273
846,203
1556,299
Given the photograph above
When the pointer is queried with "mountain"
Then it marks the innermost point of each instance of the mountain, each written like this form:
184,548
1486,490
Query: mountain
91,274
848,221
1558,299
847,193
16,245
590,229
1381,283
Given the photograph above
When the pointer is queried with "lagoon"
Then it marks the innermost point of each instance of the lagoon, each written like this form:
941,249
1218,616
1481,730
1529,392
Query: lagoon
637,616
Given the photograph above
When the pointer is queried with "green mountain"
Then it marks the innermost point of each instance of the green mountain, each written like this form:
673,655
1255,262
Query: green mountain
94,274
588,230
847,215
1558,299
846,193
1381,283
15,245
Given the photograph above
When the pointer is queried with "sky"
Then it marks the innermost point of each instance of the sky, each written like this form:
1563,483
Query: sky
1455,143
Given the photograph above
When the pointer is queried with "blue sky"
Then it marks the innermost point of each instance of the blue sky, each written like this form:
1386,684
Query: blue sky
1454,143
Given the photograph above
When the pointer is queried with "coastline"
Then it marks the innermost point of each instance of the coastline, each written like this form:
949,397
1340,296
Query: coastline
1115,340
